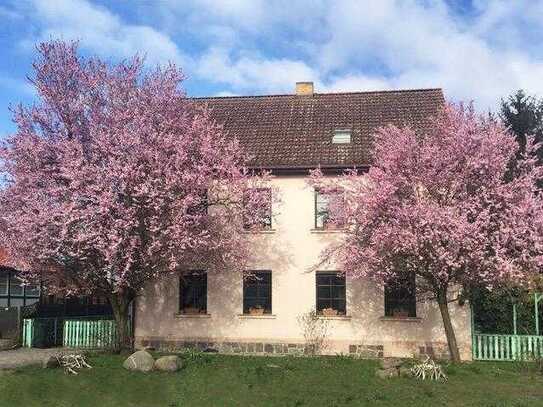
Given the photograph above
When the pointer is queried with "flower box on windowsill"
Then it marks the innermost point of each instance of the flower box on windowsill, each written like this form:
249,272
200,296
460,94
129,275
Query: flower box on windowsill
330,312
192,311
256,311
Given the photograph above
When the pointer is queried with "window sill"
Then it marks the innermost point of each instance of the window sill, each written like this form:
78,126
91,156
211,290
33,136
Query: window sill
259,232
325,231
401,319
249,316
181,315
335,317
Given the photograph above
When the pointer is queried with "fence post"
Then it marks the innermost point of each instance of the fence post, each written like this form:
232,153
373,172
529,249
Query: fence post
536,309
472,332
514,318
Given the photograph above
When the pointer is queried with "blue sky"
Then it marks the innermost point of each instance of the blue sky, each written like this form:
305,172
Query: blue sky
474,50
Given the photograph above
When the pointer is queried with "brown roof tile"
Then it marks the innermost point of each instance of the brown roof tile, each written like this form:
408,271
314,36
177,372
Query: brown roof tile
289,131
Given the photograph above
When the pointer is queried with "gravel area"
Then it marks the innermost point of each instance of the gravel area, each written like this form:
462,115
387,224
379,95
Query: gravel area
10,359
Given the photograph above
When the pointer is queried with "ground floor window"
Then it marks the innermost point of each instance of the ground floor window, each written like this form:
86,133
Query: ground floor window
257,293
193,292
331,293
400,299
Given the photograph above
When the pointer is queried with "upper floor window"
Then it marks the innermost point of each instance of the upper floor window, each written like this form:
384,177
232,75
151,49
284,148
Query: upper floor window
257,293
400,299
331,293
193,292
341,136
323,202
262,219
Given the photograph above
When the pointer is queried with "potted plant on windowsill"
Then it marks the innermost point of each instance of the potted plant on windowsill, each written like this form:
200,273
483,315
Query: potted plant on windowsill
400,313
329,312
258,310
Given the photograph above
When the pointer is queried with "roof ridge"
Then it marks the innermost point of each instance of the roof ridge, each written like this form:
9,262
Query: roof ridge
318,94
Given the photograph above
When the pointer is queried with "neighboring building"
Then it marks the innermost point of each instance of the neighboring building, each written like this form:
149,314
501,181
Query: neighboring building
19,301
36,302
291,134
13,293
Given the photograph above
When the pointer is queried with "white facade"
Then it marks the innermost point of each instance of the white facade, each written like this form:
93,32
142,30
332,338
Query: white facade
290,250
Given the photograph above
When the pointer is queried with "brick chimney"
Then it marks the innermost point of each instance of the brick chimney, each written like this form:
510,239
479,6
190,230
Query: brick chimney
304,88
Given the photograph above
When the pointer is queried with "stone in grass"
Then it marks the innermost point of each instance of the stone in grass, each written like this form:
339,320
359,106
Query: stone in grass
388,363
387,373
168,363
50,362
140,361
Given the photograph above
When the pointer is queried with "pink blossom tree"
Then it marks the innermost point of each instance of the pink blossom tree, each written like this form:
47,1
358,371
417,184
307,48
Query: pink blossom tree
452,207
115,178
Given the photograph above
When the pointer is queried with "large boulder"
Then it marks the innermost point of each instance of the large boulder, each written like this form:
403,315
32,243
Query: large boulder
388,363
140,361
168,363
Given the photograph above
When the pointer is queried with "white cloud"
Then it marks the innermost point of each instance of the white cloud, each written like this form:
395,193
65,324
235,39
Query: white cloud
262,46
252,72
103,32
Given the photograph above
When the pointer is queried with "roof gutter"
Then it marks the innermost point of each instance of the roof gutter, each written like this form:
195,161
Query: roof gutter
304,170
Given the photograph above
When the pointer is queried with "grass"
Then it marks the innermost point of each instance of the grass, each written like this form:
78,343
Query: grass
221,380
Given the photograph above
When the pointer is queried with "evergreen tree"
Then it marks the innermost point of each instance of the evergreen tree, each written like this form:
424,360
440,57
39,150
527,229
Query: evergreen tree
524,115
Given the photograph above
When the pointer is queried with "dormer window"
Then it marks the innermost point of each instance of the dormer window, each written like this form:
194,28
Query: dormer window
342,136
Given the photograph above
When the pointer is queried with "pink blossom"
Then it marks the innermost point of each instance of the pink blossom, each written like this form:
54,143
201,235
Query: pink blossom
453,206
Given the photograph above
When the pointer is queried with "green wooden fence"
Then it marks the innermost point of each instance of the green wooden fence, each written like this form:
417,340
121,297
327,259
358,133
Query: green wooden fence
76,333
93,334
28,333
507,347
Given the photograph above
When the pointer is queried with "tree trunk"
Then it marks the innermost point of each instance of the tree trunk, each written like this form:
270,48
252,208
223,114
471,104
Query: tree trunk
449,330
120,302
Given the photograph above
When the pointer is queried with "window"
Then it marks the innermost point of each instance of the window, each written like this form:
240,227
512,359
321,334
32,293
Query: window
3,284
400,300
263,218
15,286
331,294
257,292
341,136
16,302
193,293
32,290
30,301
323,202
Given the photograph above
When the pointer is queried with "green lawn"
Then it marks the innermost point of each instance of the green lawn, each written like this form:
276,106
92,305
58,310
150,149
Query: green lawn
219,380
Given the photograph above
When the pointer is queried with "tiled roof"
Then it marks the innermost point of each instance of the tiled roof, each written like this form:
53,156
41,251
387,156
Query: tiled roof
290,131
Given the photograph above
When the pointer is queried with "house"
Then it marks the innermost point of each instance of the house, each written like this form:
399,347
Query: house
291,134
